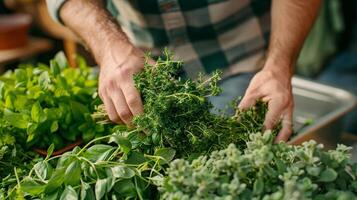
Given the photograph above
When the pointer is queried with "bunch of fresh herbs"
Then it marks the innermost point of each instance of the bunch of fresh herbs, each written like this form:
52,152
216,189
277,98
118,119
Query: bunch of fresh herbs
100,171
264,171
177,112
41,105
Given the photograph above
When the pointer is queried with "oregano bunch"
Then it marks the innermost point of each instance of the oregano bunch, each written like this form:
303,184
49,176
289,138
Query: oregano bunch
264,171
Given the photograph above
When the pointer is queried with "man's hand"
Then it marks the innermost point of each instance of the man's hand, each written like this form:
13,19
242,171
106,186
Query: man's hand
116,85
118,59
290,22
274,87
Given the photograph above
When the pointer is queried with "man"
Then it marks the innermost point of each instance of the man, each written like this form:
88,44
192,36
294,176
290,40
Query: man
229,34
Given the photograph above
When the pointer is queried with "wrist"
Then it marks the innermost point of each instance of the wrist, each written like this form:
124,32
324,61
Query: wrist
112,49
280,64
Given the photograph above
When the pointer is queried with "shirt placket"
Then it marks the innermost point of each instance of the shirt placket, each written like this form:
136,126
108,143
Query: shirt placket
174,22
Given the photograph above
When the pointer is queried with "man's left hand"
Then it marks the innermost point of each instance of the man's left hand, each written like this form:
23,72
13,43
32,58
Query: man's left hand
273,85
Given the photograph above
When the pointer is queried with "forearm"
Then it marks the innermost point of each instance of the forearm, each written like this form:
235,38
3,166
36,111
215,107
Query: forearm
94,25
291,22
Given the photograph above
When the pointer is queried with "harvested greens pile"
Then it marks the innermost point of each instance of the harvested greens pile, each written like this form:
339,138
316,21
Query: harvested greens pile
176,150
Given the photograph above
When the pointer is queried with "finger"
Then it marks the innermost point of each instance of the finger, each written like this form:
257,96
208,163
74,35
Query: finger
248,101
121,106
110,109
132,97
152,62
275,109
286,129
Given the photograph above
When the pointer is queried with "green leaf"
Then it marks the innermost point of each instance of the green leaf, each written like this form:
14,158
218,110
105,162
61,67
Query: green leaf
54,126
52,196
31,128
135,158
32,187
167,154
98,152
125,188
313,171
37,114
15,119
44,80
55,70
55,181
124,143
43,170
69,194
50,151
9,102
21,75
103,186
2,86
123,172
73,173
328,175
86,191
78,109
258,187
61,60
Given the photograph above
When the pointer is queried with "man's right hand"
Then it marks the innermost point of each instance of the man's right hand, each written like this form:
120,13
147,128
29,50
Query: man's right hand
116,85
118,59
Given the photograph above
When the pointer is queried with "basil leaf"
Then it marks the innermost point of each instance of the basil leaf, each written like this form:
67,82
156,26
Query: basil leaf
61,60
69,194
43,170
37,114
32,187
98,152
54,126
103,186
124,143
50,151
15,119
167,154
125,188
55,181
86,192
73,173
122,172
135,158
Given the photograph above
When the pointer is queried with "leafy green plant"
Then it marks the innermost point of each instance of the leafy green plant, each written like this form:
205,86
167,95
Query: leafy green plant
264,171
99,171
40,105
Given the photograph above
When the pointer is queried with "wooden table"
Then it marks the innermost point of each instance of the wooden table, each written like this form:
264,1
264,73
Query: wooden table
34,46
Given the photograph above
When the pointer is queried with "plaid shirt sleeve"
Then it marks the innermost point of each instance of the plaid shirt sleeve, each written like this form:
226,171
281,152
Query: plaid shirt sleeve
53,7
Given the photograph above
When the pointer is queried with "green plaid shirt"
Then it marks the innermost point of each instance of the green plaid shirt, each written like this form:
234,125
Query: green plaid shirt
231,35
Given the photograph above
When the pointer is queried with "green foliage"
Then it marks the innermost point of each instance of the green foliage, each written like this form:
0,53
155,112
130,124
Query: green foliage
264,171
177,112
40,105
98,171
136,162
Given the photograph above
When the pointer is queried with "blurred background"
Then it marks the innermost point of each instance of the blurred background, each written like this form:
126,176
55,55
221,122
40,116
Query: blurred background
329,55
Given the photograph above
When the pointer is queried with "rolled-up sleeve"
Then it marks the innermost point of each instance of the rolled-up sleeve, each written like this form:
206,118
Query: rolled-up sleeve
54,7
